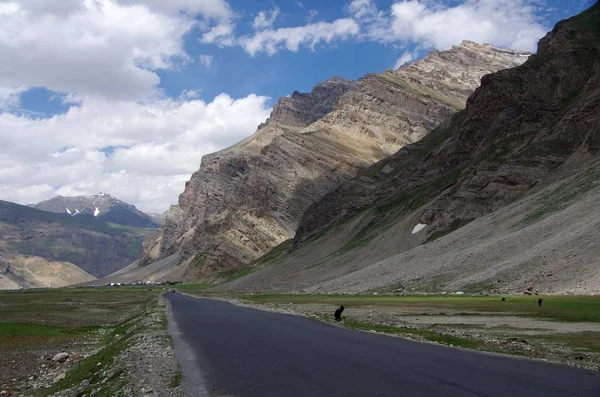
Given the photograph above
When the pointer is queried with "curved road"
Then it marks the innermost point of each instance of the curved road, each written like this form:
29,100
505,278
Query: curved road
227,350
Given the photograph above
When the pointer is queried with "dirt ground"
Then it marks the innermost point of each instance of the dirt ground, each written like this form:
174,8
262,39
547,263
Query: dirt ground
116,340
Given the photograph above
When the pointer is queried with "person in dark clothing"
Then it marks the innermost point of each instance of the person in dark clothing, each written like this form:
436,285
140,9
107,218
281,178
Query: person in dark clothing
540,302
338,314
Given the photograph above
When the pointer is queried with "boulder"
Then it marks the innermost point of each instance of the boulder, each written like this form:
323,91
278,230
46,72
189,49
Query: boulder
60,357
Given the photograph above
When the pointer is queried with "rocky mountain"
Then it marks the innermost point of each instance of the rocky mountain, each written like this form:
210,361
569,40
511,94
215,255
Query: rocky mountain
159,219
102,206
249,198
97,247
503,197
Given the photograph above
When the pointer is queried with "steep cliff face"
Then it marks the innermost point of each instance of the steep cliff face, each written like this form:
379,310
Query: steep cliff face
249,198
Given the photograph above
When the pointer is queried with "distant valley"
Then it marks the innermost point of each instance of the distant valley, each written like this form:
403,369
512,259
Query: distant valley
41,248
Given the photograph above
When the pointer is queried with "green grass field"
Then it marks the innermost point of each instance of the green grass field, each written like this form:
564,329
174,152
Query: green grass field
38,322
555,308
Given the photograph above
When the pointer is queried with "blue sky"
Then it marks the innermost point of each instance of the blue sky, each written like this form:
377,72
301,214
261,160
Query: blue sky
239,74
125,96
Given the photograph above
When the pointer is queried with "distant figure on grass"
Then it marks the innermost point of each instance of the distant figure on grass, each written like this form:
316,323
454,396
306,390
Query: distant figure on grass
540,302
338,314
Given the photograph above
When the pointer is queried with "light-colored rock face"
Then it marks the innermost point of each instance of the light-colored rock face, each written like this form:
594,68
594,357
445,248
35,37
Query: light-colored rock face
249,198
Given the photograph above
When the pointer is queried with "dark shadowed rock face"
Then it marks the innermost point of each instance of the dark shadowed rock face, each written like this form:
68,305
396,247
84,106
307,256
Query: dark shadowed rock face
102,206
521,128
249,198
302,109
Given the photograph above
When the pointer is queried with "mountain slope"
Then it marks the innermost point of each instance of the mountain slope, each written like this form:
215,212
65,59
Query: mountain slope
530,133
36,272
103,206
96,247
249,198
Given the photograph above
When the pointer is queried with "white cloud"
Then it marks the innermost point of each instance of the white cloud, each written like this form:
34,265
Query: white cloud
155,147
99,48
266,19
273,40
375,24
221,34
507,23
206,60
404,58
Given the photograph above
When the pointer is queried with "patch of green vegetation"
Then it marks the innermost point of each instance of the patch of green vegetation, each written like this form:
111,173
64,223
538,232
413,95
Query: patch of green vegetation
431,336
191,287
28,330
73,307
175,380
588,341
199,261
566,194
270,258
566,308
274,254
435,138
92,367
419,195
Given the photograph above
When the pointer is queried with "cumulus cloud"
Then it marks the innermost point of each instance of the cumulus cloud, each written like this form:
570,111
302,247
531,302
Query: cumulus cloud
421,23
508,23
266,19
140,152
272,41
100,48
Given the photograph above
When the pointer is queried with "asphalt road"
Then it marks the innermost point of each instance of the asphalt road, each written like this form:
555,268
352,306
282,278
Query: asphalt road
237,351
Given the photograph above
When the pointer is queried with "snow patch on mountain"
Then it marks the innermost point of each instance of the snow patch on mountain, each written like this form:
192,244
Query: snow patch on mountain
418,227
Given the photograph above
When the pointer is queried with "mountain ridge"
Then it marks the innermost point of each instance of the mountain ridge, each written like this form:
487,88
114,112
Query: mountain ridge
97,247
249,198
500,199
103,206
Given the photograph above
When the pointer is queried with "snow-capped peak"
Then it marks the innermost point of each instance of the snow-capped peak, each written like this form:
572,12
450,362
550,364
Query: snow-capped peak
96,212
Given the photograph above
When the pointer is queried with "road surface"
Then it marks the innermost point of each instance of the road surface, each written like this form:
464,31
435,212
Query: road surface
229,350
